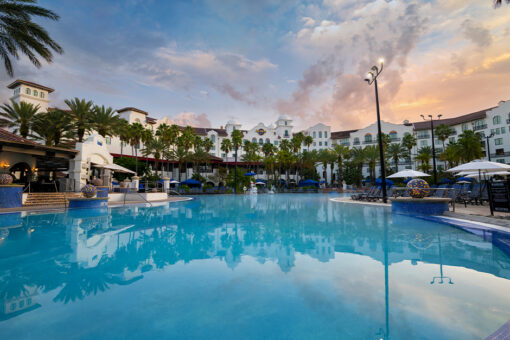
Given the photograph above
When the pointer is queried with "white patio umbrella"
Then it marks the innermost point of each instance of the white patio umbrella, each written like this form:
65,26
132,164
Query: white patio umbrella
496,173
408,173
482,166
174,182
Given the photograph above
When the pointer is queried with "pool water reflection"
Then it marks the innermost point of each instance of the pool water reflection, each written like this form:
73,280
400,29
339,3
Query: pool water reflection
251,267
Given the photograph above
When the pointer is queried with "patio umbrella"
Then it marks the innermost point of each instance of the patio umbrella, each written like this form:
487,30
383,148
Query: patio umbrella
388,181
408,173
250,174
465,179
463,182
173,181
479,165
192,182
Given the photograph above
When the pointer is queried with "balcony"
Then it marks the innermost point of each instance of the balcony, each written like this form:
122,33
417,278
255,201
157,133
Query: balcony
423,136
356,143
508,121
480,127
346,143
368,142
395,139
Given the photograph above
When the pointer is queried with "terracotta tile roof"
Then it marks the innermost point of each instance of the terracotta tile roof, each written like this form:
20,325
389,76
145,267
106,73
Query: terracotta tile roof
130,108
11,138
29,83
151,120
341,134
425,125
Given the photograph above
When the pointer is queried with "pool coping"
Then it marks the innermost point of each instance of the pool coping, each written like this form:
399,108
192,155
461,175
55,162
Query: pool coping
110,205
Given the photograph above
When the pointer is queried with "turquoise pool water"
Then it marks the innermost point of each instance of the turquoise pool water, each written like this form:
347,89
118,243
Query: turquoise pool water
248,267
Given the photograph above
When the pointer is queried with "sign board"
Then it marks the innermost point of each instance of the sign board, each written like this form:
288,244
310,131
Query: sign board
500,196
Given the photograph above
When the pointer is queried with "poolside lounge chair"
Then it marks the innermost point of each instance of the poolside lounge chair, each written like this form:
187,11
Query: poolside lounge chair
362,194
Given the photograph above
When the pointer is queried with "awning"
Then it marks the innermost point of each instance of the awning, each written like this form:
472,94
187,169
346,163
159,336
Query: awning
114,168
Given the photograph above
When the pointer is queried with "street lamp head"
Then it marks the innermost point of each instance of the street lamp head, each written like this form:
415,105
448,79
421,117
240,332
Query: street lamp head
430,116
422,116
439,116
381,61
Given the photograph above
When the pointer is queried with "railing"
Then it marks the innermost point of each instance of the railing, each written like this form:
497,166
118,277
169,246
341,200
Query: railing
508,121
423,136
368,142
479,127
356,143
135,192
395,139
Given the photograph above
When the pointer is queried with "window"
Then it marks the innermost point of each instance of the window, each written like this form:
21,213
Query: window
320,143
223,155
500,160
36,93
325,143
452,139
423,134
500,152
368,138
503,130
286,134
254,140
108,140
314,144
268,141
285,122
314,135
465,126
393,135
325,134
41,95
320,134
213,138
498,141
423,143
356,141
27,91
261,141
276,142
496,120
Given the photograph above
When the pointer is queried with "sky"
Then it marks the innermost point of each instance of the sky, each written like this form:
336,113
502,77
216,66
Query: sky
204,62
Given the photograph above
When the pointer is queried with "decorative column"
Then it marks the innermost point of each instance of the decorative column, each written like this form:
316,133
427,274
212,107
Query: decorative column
166,184
136,182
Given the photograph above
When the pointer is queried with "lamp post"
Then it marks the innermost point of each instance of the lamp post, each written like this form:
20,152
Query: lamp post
433,144
488,146
372,78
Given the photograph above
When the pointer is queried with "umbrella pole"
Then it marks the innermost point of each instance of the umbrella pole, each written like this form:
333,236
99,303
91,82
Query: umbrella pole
489,187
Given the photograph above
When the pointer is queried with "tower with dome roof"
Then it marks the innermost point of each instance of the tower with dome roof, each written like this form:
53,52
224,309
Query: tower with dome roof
284,127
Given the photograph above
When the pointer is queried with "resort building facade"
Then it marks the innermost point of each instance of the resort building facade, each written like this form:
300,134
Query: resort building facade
494,122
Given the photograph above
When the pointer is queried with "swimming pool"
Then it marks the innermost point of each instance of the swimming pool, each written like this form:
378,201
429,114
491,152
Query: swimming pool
248,267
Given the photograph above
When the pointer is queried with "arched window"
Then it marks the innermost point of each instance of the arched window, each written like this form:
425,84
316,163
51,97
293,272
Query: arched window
36,93
254,140
213,138
496,120
393,135
27,91
261,141
286,133
268,141
368,138
314,135
356,140
320,134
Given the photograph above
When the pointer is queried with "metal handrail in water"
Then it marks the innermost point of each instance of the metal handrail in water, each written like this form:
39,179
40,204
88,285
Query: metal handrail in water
135,192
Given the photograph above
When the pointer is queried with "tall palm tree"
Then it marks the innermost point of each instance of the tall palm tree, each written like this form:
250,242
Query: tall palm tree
409,142
424,156
156,147
342,153
451,155
372,156
470,144
19,116
308,141
123,131
104,120
237,140
81,111
186,140
226,146
52,127
395,152
358,157
135,138
21,35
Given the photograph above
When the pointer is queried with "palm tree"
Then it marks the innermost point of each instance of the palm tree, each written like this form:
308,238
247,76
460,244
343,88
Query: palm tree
409,142
226,146
237,140
19,116
470,144
371,155
21,35
451,155
308,141
342,153
135,137
269,150
358,157
123,130
156,147
424,156
498,3
396,151
52,127
81,111
104,120
186,140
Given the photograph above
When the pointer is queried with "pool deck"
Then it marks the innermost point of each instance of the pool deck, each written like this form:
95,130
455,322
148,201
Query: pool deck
110,204
473,213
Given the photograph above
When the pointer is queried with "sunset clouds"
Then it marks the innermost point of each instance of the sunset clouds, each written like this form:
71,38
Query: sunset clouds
254,60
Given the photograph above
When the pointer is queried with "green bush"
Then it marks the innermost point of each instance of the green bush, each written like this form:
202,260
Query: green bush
130,163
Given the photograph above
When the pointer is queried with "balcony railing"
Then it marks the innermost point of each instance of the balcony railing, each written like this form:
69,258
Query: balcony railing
479,127
368,142
508,121
395,139
346,144
423,136
356,143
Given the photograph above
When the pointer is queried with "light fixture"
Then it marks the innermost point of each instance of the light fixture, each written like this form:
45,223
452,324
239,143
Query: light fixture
381,60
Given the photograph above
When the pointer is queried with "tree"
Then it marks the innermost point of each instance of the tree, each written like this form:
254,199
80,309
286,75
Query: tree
52,127
308,141
104,120
396,151
81,111
498,3
226,146
185,141
342,153
358,158
371,156
135,138
451,155
442,133
409,142
156,147
470,144
237,140
21,35
122,130
424,156
19,116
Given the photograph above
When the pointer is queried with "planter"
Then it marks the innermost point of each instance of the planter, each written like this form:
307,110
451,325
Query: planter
102,191
11,196
89,191
88,203
419,206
